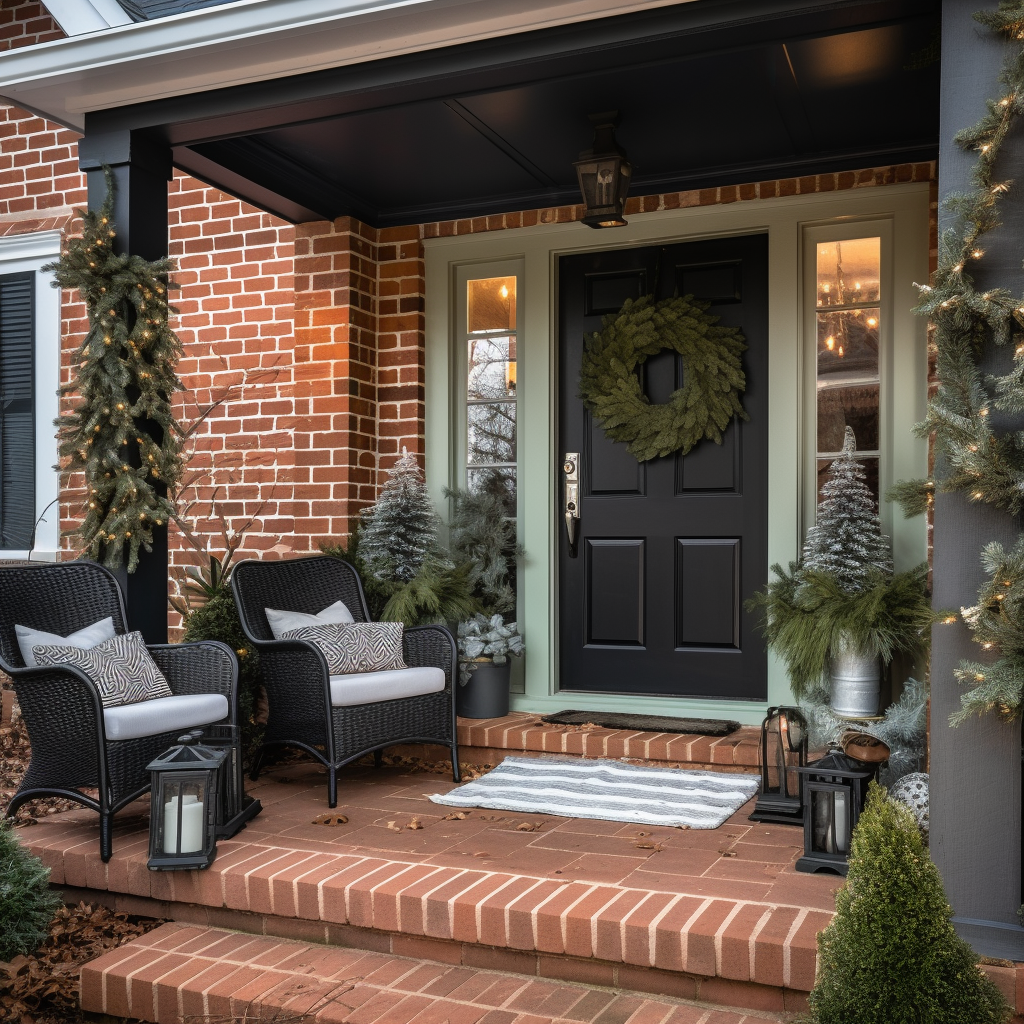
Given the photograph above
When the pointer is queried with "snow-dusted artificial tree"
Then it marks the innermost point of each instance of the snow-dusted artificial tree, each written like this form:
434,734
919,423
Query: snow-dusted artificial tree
846,540
400,530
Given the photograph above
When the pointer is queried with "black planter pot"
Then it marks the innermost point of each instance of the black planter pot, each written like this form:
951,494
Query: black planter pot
486,693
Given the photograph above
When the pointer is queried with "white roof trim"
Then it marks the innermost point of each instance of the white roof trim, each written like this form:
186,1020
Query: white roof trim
76,17
254,40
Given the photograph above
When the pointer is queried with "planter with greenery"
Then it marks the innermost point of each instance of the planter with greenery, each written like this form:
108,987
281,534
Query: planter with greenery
485,645
843,601
27,903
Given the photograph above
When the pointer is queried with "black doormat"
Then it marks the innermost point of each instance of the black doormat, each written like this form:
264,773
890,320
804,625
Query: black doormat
644,723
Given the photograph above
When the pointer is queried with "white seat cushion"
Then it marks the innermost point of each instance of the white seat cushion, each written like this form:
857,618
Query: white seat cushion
164,714
371,687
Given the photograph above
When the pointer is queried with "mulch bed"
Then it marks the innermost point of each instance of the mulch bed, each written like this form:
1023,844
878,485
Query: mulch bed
42,988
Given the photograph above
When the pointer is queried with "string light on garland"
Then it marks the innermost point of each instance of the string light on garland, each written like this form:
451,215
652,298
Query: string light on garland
121,391
997,623
974,458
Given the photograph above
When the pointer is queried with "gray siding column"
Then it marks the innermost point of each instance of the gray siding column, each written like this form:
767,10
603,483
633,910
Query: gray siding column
975,768
141,169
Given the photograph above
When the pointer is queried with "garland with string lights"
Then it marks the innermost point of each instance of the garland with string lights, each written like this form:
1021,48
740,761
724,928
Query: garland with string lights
997,622
713,380
120,431
975,460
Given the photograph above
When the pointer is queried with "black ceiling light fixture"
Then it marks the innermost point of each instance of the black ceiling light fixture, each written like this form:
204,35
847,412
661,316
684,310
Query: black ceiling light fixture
604,174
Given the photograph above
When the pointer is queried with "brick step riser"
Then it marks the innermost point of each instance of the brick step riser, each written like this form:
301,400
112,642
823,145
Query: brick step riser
180,971
471,755
652,981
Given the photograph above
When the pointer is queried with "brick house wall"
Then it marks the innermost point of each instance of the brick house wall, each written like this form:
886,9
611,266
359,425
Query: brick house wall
303,344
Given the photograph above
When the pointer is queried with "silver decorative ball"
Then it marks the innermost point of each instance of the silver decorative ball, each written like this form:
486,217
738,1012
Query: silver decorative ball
912,791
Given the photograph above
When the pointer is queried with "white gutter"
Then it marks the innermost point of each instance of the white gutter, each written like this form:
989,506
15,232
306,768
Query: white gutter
255,40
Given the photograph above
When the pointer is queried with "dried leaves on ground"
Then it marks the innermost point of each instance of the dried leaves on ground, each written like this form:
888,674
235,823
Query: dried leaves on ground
43,988
15,754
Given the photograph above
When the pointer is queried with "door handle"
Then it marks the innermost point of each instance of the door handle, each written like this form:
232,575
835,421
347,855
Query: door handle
571,468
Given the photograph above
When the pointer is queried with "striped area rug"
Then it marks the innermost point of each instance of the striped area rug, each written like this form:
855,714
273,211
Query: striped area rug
608,790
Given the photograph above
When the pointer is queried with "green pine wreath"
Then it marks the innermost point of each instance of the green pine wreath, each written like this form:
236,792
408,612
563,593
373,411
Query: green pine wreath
713,376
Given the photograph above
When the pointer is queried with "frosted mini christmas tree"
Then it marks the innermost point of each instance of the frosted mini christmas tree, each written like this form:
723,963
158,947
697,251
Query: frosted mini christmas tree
846,540
400,530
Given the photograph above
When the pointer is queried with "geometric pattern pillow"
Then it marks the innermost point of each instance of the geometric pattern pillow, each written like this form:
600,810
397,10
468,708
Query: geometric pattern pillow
121,668
356,646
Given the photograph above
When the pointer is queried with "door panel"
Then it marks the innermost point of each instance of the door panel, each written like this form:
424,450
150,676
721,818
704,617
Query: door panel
669,550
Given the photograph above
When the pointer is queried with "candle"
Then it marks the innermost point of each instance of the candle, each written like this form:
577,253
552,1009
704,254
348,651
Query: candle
191,825
842,830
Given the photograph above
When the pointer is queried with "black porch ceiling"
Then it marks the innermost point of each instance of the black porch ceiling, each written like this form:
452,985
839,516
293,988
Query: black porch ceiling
761,93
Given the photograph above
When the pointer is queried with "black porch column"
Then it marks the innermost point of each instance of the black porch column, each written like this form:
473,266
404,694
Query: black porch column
975,768
141,169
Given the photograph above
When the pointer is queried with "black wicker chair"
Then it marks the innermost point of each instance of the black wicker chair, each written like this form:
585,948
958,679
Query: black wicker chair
61,706
297,680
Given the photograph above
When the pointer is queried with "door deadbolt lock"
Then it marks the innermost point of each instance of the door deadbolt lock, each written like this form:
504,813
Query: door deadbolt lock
572,500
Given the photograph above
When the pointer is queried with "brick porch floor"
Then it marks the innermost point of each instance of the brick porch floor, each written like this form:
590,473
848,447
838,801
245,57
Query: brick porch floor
715,915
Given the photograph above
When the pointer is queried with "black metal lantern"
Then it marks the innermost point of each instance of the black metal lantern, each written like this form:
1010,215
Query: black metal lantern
183,813
835,788
604,174
783,753
234,807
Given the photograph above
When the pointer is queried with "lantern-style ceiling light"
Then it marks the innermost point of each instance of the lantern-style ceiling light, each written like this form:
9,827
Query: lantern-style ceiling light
783,754
604,174
185,804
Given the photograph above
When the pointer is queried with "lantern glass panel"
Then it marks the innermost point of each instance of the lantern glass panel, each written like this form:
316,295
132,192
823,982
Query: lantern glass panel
184,816
830,820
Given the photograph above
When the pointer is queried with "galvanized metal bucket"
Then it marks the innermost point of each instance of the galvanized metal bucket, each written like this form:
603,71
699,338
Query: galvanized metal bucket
856,677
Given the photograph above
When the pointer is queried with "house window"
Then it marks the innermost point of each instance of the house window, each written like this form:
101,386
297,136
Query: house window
849,301
17,413
489,343
29,380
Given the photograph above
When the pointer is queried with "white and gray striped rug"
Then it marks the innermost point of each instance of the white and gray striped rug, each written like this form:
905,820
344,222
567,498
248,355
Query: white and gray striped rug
608,790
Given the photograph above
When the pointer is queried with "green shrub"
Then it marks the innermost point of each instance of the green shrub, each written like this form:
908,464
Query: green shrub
217,619
890,955
27,904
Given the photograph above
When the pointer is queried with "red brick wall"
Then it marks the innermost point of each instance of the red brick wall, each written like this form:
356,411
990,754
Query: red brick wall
24,23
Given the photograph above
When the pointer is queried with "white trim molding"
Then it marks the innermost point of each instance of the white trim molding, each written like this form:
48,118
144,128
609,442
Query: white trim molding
28,253
256,40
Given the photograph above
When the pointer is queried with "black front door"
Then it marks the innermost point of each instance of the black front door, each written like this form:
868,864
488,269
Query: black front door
668,550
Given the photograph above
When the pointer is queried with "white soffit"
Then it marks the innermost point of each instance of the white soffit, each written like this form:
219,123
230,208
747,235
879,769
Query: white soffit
254,40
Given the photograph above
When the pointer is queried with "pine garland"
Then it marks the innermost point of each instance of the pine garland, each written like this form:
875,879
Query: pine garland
121,432
702,408
997,622
971,457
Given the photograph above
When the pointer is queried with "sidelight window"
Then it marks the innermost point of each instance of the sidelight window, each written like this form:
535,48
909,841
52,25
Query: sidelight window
491,395
848,315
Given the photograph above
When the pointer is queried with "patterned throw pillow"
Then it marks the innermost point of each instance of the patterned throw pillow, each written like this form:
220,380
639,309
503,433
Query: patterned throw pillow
356,646
121,668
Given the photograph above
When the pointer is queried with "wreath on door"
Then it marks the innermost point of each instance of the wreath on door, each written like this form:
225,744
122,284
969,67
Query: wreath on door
712,385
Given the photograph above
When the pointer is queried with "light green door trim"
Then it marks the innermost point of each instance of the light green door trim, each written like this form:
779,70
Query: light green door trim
787,222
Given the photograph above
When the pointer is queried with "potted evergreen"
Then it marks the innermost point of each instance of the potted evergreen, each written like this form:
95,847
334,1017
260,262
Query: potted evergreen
484,669
841,613
483,537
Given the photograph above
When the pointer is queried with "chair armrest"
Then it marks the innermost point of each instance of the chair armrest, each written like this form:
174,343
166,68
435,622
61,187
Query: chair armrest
207,666
59,704
432,646
298,685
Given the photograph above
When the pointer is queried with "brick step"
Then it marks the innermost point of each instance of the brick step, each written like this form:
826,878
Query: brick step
490,740
180,972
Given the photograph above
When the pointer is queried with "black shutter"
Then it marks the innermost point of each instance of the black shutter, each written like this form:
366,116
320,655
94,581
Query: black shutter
17,412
